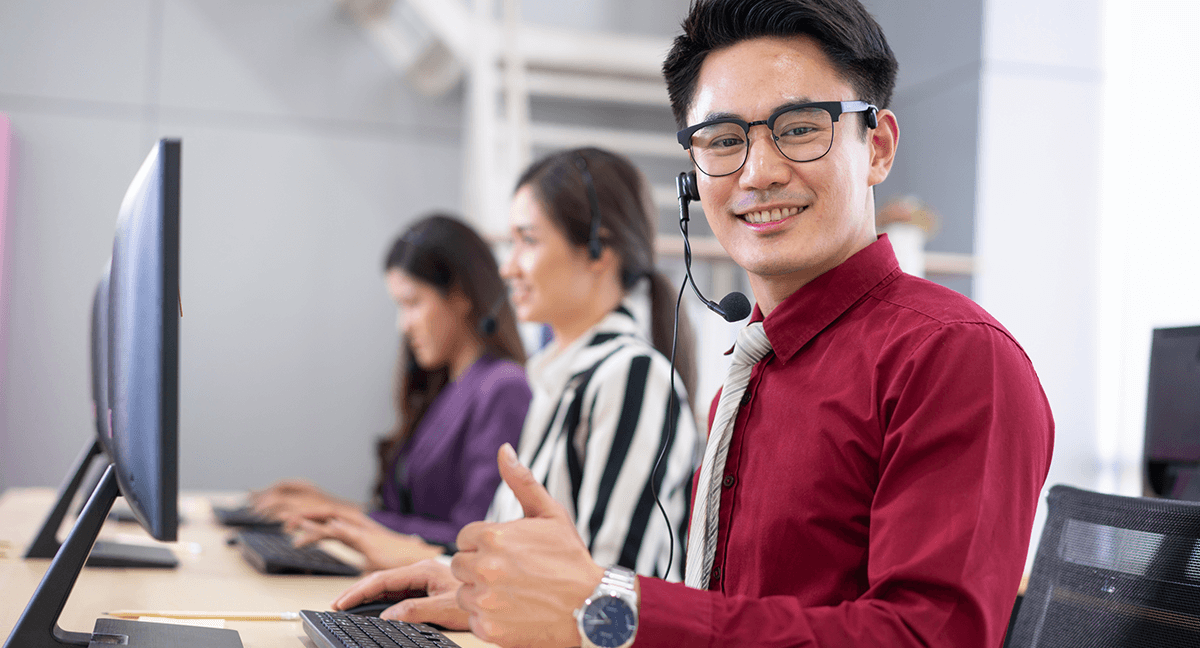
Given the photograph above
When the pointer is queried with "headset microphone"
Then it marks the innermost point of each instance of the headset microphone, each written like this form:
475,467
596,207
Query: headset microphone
734,306
487,323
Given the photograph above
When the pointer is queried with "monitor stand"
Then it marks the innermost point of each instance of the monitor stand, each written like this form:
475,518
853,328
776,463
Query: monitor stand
38,625
104,553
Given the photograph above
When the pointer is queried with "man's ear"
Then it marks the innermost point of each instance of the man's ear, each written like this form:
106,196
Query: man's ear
883,140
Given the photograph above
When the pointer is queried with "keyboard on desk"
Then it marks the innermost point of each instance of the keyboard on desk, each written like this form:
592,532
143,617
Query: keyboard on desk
272,552
341,630
243,516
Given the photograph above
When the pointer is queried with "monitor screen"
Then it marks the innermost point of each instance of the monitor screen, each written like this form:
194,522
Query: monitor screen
99,363
144,342
1173,396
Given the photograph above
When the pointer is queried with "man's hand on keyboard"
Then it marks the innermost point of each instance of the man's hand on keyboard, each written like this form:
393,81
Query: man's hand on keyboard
522,580
382,547
439,605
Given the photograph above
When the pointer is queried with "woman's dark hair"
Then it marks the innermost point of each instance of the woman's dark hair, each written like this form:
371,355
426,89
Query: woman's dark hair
627,225
447,254
848,35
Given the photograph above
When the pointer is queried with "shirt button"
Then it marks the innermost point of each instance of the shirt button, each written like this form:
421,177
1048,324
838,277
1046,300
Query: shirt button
728,481
746,398
716,575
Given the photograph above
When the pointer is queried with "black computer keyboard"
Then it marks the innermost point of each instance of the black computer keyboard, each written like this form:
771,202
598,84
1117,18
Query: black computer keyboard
341,630
243,516
272,552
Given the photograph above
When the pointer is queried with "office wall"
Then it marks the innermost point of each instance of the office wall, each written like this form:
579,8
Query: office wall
4,150
1038,207
1148,229
302,155
937,105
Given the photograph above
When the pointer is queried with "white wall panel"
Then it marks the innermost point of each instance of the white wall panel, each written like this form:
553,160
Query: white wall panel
92,50
1037,222
68,175
285,58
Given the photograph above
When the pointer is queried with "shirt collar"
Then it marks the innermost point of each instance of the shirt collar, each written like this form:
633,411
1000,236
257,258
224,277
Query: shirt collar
816,305
551,368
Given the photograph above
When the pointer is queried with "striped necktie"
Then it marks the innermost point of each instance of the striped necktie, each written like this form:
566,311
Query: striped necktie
751,346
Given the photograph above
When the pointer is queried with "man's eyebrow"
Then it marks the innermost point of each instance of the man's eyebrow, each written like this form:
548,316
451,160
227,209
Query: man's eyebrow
728,115
720,115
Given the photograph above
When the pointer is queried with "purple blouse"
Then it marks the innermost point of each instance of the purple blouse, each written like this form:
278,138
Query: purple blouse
445,475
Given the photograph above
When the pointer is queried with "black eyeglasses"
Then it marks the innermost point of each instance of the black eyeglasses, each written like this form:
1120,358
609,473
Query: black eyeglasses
801,132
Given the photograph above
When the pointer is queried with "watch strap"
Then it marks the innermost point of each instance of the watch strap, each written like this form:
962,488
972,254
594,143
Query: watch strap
621,579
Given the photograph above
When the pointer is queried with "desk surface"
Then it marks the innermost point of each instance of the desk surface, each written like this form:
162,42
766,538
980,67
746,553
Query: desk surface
211,576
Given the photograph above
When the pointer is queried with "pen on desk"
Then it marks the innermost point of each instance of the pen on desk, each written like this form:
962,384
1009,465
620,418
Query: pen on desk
227,616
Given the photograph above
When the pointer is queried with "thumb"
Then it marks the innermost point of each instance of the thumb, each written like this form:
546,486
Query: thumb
534,499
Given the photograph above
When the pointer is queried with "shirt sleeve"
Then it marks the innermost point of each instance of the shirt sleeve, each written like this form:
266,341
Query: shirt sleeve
497,420
967,441
616,443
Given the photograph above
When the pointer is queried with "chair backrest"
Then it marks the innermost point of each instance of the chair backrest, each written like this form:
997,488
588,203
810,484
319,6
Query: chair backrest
1113,571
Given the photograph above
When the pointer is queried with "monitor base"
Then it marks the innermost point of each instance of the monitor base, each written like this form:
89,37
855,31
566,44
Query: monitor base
123,632
115,554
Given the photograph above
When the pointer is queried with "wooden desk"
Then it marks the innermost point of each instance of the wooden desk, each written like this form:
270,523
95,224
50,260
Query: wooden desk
211,576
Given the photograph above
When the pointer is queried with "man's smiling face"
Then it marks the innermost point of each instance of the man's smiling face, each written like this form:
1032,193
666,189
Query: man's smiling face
787,222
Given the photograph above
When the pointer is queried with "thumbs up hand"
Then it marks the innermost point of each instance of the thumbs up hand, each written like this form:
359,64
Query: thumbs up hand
522,580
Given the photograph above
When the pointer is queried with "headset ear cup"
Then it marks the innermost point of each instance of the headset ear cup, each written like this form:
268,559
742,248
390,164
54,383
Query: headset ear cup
690,185
594,246
487,323
872,118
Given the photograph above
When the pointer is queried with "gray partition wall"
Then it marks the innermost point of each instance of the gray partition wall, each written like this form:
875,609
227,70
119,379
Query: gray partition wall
303,153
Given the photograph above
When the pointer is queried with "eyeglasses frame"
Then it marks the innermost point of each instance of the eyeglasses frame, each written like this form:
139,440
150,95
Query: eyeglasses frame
835,109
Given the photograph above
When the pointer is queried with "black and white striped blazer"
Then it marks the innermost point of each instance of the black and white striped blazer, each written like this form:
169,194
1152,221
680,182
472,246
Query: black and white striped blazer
596,424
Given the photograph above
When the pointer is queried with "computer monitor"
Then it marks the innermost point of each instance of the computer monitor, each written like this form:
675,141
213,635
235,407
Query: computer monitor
143,319
143,336
96,454
1172,450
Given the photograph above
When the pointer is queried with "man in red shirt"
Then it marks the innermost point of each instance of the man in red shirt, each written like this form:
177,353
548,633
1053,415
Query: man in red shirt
883,468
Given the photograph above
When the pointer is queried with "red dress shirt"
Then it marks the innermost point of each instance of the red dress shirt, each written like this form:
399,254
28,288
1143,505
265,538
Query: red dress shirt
882,476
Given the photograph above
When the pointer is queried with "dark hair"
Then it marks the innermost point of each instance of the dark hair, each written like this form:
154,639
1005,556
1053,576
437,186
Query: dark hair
450,256
848,35
627,225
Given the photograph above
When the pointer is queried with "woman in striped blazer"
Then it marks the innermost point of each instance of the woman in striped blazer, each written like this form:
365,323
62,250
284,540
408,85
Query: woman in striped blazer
583,263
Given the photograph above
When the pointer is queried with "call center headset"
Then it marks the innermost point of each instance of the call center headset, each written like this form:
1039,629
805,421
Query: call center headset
734,306
487,323
594,246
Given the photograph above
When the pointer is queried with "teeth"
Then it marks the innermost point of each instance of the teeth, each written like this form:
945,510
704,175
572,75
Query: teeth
771,215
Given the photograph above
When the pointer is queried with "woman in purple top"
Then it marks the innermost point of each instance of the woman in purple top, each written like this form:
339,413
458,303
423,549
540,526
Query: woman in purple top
461,393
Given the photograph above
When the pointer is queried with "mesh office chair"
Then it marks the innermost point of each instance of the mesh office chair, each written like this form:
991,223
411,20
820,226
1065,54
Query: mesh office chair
1113,571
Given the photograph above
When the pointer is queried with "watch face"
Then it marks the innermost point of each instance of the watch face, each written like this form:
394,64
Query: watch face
609,622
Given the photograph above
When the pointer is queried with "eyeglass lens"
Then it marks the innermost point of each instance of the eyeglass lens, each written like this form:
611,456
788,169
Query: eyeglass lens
801,135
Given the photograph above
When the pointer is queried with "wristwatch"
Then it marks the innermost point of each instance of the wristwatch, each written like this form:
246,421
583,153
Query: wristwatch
609,617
